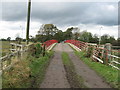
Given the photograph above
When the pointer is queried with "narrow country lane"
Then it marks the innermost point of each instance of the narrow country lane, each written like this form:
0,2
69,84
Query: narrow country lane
56,75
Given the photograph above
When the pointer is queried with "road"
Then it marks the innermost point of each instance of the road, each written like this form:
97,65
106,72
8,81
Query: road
56,76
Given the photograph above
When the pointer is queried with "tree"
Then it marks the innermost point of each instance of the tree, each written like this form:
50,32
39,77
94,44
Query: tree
104,39
107,39
3,39
111,39
95,39
47,29
68,33
8,39
76,33
46,32
59,36
86,36
50,31
116,42
18,39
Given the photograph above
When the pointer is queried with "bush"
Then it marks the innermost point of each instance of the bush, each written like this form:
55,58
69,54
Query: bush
32,49
35,50
38,49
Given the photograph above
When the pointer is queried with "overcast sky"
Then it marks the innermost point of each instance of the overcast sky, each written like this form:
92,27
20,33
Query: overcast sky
88,16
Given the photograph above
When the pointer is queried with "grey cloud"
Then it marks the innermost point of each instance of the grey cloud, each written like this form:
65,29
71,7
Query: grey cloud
14,11
62,13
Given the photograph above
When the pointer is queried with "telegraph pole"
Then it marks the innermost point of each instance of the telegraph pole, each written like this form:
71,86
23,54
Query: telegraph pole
28,22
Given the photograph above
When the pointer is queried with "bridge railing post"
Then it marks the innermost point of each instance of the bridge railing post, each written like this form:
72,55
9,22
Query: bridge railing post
107,52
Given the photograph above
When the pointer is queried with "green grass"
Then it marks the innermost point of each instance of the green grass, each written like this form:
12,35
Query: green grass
73,78
107,72
38,69
28,73
66,59
18,75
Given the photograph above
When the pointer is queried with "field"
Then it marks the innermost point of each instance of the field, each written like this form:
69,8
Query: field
5,47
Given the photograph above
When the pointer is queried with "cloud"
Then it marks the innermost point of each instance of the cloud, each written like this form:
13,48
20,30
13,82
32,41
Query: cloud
14,11
71,13
85,15
11,29
95,29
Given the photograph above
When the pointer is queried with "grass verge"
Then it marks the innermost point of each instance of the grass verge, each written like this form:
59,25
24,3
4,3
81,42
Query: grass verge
27,73
109,74
18,75
75,80
38,69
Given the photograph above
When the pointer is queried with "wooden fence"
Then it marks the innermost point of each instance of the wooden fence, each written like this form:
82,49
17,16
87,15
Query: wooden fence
17,52
103,54
9,60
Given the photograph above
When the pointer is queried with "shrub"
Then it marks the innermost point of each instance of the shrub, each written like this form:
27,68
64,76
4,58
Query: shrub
38,49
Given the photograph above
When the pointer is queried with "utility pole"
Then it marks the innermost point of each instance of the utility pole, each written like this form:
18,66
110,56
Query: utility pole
28,22
100,35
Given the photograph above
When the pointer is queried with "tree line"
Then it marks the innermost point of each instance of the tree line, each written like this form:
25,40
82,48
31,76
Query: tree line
50,31
73,33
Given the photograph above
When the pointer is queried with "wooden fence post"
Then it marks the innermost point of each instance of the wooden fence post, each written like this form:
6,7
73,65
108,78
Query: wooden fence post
107,51
43,50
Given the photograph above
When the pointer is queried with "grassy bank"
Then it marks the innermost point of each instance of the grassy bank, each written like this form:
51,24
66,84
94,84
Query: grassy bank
27,73
38,69
18,75
75,80
107,72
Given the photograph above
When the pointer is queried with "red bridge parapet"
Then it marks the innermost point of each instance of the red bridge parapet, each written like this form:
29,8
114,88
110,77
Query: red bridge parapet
49,42
77,43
